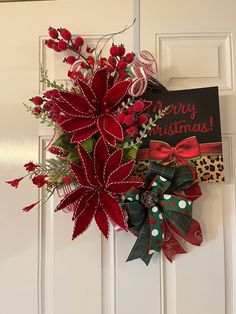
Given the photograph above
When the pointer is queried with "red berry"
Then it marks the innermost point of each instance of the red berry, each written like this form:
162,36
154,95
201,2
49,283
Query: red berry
47,106
129,120
55,109
138,106
129,57
121,50
121,65
53,33
70,59
50,43
37,100
120,117
48,94
79,41
142,119
91,61
56,48
131,110
37,110
62,45
65,34
55,93
83,65
114,51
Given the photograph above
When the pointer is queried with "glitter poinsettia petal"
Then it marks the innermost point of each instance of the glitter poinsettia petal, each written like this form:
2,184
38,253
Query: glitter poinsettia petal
92,111
112,162
73,104
116,94
112,209
99,84
102,222
98,181
70,198
75,124
113,127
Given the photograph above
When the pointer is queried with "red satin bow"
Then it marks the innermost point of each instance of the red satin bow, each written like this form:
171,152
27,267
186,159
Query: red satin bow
185,150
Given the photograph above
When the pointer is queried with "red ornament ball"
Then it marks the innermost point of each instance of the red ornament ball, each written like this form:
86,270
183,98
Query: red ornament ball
53,33
65,34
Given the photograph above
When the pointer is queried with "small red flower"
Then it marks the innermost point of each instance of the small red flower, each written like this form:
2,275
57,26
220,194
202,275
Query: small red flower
98,180
29,207
15,183
30,166
93,111
39,180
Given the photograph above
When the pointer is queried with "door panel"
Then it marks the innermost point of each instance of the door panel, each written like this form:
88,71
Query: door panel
41,270
194,45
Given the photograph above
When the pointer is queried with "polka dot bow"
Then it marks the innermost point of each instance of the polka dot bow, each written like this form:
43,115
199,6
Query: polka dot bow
160,209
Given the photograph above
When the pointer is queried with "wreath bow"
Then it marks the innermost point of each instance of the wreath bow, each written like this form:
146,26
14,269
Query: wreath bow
161,208
185,150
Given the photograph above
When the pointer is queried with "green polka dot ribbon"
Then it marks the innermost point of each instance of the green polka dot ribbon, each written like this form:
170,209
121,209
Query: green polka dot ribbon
161,208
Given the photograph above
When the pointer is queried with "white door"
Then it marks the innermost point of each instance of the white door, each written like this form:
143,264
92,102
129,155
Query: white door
41,270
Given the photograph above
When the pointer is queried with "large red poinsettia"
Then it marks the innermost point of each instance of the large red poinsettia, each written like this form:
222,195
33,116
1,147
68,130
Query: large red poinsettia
93,111
99,180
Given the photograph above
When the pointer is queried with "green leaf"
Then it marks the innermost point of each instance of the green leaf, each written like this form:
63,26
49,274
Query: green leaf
131,153
63,142
73,156
89,145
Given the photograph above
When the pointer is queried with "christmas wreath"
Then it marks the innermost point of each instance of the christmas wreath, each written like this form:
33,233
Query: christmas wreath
99,124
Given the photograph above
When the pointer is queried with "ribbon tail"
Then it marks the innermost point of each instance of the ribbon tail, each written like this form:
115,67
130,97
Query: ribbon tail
171,246
194,235
140,248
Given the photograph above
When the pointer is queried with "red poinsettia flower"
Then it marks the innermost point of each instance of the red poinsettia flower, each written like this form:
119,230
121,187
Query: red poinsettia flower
99,180
94,110
30,166
15,183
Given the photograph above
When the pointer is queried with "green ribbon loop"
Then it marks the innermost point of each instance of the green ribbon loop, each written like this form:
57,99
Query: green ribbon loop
148,223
